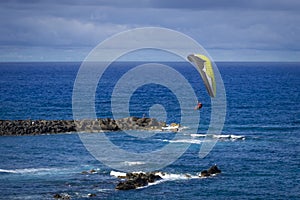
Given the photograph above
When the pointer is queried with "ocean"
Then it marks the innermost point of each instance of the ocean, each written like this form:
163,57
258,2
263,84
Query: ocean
263,109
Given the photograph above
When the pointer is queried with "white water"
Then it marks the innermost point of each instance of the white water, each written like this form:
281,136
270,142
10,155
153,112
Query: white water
165,177
28,170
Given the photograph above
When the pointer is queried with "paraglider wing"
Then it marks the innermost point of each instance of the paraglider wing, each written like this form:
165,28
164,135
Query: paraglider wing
204,66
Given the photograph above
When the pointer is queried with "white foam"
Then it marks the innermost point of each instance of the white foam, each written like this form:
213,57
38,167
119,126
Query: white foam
237,137
190,141
27,170
128,163
198,135
104,189
117,174
222,137
170,177
184,127
230,137
7,171
199,138
165,177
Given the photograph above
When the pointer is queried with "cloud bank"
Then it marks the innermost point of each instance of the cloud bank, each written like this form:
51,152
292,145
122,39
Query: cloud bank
229,30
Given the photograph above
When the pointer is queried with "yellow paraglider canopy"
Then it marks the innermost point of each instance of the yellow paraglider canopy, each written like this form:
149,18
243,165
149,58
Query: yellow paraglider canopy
204,66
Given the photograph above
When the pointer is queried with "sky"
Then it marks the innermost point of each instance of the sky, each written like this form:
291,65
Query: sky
229,30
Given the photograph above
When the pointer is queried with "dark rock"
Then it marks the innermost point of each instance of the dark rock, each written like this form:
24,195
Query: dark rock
204,173
35,127
141,121
135,180
153,122
57,196
103,127
62,196
140,181
214,170
152,178
134,119
126,185
130,175
92,195
92,171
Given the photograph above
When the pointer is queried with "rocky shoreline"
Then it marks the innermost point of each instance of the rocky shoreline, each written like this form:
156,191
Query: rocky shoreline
136,180
37,127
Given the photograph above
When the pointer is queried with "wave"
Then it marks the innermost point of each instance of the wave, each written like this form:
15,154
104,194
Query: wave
183,128
231,137
26,170
128,163
118,174
191,141
174,177
199,138
165,177
32,170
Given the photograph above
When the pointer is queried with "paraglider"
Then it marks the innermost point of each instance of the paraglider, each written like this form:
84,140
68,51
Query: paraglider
199,106
204,66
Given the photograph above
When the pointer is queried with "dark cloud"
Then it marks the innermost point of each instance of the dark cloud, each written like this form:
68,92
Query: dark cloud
219,25
230,4
165,4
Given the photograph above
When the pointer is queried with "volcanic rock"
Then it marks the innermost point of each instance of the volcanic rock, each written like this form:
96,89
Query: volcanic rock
136,180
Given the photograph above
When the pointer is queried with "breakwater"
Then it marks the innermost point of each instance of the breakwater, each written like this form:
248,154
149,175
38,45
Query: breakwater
36,127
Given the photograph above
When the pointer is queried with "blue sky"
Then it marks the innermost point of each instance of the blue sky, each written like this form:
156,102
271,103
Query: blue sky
230,30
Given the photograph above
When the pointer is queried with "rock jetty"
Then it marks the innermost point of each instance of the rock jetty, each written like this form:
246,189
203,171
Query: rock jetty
36,127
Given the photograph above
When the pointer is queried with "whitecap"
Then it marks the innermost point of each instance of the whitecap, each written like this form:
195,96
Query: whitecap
117,174
165,177
190,141
128,163
221,137
197,135
27,170
237,137
171,177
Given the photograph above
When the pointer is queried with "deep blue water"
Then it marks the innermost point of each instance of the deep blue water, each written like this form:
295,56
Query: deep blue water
262,105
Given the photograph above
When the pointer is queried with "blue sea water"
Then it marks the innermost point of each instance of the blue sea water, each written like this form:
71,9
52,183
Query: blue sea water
262,105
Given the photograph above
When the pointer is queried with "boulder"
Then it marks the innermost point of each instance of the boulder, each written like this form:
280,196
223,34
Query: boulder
126,185
57,196
153,122
92,195
62,196
214,170
134,119
135,180
153,177
141,121
140,181
204,173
